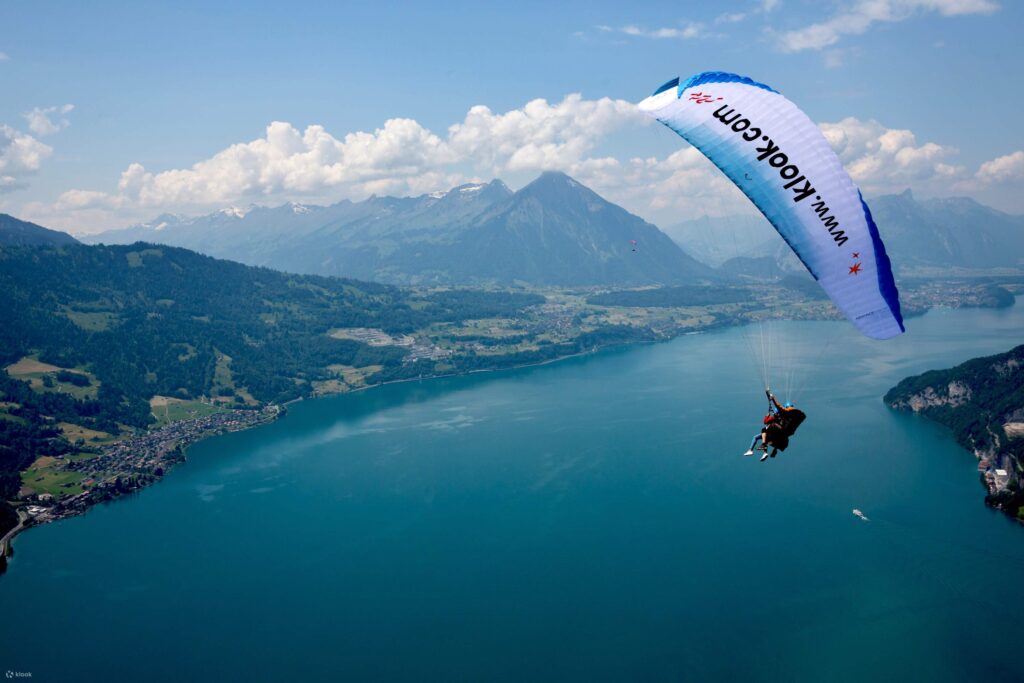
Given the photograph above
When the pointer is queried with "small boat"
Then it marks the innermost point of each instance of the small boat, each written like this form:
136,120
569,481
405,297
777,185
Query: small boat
860,514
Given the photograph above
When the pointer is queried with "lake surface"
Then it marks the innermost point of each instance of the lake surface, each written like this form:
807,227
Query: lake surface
592,519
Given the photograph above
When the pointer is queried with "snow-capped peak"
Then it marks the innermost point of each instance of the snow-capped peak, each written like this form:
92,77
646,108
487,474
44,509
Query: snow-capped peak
234,211
299,208
440,194
162,221
472,188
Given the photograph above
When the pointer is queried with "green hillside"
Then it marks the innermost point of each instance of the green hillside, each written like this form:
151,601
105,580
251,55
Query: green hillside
89,335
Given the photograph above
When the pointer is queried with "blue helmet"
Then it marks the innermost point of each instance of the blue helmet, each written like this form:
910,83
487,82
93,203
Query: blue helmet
787,404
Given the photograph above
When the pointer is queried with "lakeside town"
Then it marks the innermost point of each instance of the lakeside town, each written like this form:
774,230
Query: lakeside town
125,465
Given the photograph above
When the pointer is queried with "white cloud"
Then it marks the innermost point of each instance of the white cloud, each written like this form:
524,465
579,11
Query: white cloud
404,158
682,185
865,13
401,157
3,57
288,161
882,160
48,120
540,135
763,7
75,200
687,32
21,155
730,17
1004,169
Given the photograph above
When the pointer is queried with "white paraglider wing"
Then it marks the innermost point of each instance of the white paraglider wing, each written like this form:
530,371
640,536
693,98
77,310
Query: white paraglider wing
781,161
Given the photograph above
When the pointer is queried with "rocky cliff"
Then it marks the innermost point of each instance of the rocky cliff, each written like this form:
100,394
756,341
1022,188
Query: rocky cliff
982,402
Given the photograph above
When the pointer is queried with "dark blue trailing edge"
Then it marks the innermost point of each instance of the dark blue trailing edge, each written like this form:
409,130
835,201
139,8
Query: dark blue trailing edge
886,283
719,77
671,84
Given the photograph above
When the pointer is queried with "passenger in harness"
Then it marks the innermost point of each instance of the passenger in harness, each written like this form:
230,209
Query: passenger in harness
780,423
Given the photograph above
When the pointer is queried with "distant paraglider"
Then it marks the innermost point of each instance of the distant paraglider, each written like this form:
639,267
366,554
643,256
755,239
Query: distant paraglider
633,244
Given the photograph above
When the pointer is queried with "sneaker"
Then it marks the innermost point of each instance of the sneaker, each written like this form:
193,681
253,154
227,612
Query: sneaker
764,457
750,451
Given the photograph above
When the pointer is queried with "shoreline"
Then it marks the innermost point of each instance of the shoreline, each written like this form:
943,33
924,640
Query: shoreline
170,443
80,506
520,366
6,549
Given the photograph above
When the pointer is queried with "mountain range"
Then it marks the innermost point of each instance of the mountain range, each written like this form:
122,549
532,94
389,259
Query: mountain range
554,231
920,235
949,232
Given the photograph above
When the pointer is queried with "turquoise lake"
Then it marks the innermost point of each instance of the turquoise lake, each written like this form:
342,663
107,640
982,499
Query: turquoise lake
591,519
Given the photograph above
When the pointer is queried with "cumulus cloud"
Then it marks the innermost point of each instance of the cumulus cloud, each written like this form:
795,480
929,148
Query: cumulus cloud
539,136
865,13
401,157
76,200
1004,169
289,161
682,185
48,120
404,158
21,155
881,159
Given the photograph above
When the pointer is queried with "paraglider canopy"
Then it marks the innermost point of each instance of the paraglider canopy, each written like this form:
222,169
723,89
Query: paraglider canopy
777,157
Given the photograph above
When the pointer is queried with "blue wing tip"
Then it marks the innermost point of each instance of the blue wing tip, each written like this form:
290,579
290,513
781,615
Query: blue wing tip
886,282
668,86
718,77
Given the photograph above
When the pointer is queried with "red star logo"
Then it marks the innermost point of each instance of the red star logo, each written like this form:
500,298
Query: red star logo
854,269
856,254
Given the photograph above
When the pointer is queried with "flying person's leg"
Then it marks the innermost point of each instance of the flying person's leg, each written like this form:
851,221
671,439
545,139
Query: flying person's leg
753,443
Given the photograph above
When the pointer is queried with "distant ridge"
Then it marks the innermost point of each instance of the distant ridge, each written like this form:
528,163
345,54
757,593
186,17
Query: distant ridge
16,232
954,231
554,231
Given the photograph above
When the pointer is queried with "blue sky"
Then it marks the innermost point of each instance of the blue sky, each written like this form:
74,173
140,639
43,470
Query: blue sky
114,112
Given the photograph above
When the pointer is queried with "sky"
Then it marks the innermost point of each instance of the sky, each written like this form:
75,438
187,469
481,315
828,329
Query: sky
113,113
